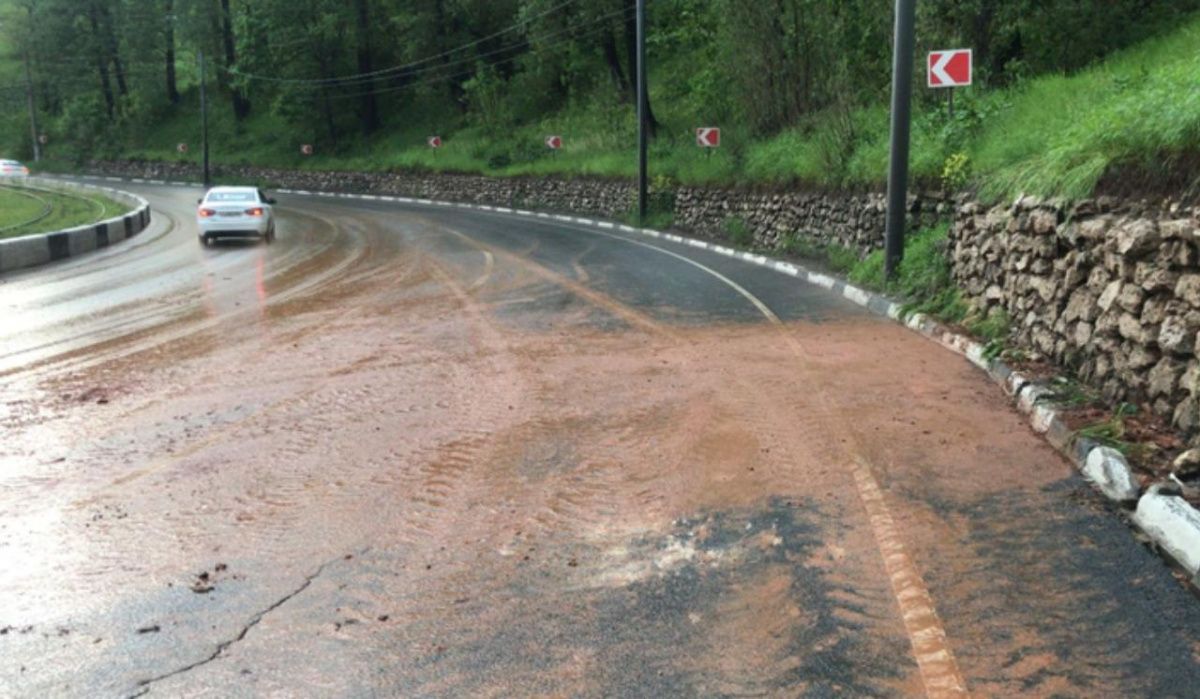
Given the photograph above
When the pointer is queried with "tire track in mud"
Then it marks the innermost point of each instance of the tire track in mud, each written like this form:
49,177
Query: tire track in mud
214,378
939,669
313,272
567,509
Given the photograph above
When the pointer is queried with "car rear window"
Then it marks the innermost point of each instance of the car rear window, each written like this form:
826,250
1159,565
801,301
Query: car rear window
231,196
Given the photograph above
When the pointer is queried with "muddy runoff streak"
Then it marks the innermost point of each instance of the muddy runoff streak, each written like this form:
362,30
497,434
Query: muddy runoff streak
939,670
493,459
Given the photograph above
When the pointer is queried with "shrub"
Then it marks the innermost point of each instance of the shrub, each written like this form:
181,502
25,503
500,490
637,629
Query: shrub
738,232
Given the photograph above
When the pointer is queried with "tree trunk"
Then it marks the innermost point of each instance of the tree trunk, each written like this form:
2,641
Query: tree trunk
457,94
241,105
169,57
369,107
114,51
101,64
32,104
631,55
612,58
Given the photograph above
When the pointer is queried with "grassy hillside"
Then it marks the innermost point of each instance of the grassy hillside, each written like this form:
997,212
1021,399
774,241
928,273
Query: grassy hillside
1049,135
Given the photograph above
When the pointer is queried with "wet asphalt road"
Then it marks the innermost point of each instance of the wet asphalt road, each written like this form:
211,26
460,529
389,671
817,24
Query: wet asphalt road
412,451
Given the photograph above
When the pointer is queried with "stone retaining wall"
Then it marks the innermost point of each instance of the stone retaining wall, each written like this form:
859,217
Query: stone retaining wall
1106,289
854,221
1109,290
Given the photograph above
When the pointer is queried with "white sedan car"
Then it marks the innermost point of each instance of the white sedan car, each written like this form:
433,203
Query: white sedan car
11,168
235,212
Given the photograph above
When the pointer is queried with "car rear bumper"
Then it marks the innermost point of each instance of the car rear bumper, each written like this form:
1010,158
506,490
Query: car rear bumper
233,229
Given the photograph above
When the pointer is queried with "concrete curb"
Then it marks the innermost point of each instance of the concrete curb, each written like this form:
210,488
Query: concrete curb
1168,520
42,248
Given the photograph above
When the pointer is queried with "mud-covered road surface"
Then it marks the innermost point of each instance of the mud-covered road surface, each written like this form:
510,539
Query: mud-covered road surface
425,452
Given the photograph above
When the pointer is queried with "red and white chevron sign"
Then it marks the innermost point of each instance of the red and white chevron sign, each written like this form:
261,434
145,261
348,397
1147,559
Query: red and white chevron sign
306,149
435,141
708,137
950,68
554,142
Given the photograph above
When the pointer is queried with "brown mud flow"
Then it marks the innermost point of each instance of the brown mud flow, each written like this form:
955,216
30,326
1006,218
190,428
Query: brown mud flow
462,466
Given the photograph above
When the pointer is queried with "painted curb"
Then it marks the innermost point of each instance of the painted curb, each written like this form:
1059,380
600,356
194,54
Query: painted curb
42,248
1107,469
1172,523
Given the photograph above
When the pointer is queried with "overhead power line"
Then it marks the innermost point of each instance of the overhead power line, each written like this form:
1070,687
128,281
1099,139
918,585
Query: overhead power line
456,75
399,68
476,59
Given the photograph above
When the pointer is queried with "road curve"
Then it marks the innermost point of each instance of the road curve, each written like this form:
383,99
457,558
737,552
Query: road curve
423,451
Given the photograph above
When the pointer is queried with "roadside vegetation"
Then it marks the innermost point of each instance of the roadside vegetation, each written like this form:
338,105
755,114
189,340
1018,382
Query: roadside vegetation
1066,91
25,210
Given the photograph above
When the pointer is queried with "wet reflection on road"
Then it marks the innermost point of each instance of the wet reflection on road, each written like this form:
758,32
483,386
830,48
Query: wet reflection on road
408,453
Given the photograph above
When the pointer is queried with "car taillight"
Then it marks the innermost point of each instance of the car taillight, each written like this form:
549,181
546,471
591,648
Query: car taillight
254,212
206,213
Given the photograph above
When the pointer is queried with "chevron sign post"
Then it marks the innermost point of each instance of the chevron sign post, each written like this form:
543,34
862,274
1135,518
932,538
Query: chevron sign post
950,68
435,142
554,142
708,137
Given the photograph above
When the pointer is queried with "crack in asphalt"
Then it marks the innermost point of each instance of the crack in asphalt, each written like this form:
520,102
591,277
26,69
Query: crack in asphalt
145,685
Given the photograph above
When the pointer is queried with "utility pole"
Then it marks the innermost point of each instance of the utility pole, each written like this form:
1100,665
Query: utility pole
204,117
902,72
33,125
643,102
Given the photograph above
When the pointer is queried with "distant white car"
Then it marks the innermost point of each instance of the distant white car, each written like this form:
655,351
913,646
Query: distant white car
235,212
11,168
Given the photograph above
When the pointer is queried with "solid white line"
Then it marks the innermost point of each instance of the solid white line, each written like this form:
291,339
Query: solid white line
762,307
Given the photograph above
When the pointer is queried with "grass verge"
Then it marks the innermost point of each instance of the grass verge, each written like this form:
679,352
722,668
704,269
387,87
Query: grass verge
26,211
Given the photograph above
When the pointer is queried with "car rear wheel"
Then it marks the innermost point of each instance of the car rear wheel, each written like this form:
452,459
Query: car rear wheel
204,240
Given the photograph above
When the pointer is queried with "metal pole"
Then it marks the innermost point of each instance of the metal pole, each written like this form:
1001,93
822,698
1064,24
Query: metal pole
33,125
204,117
643,100
902,73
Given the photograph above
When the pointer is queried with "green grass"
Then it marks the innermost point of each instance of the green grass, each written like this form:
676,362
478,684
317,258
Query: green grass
738,232
17,207
1052,135
1111,432
21,210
